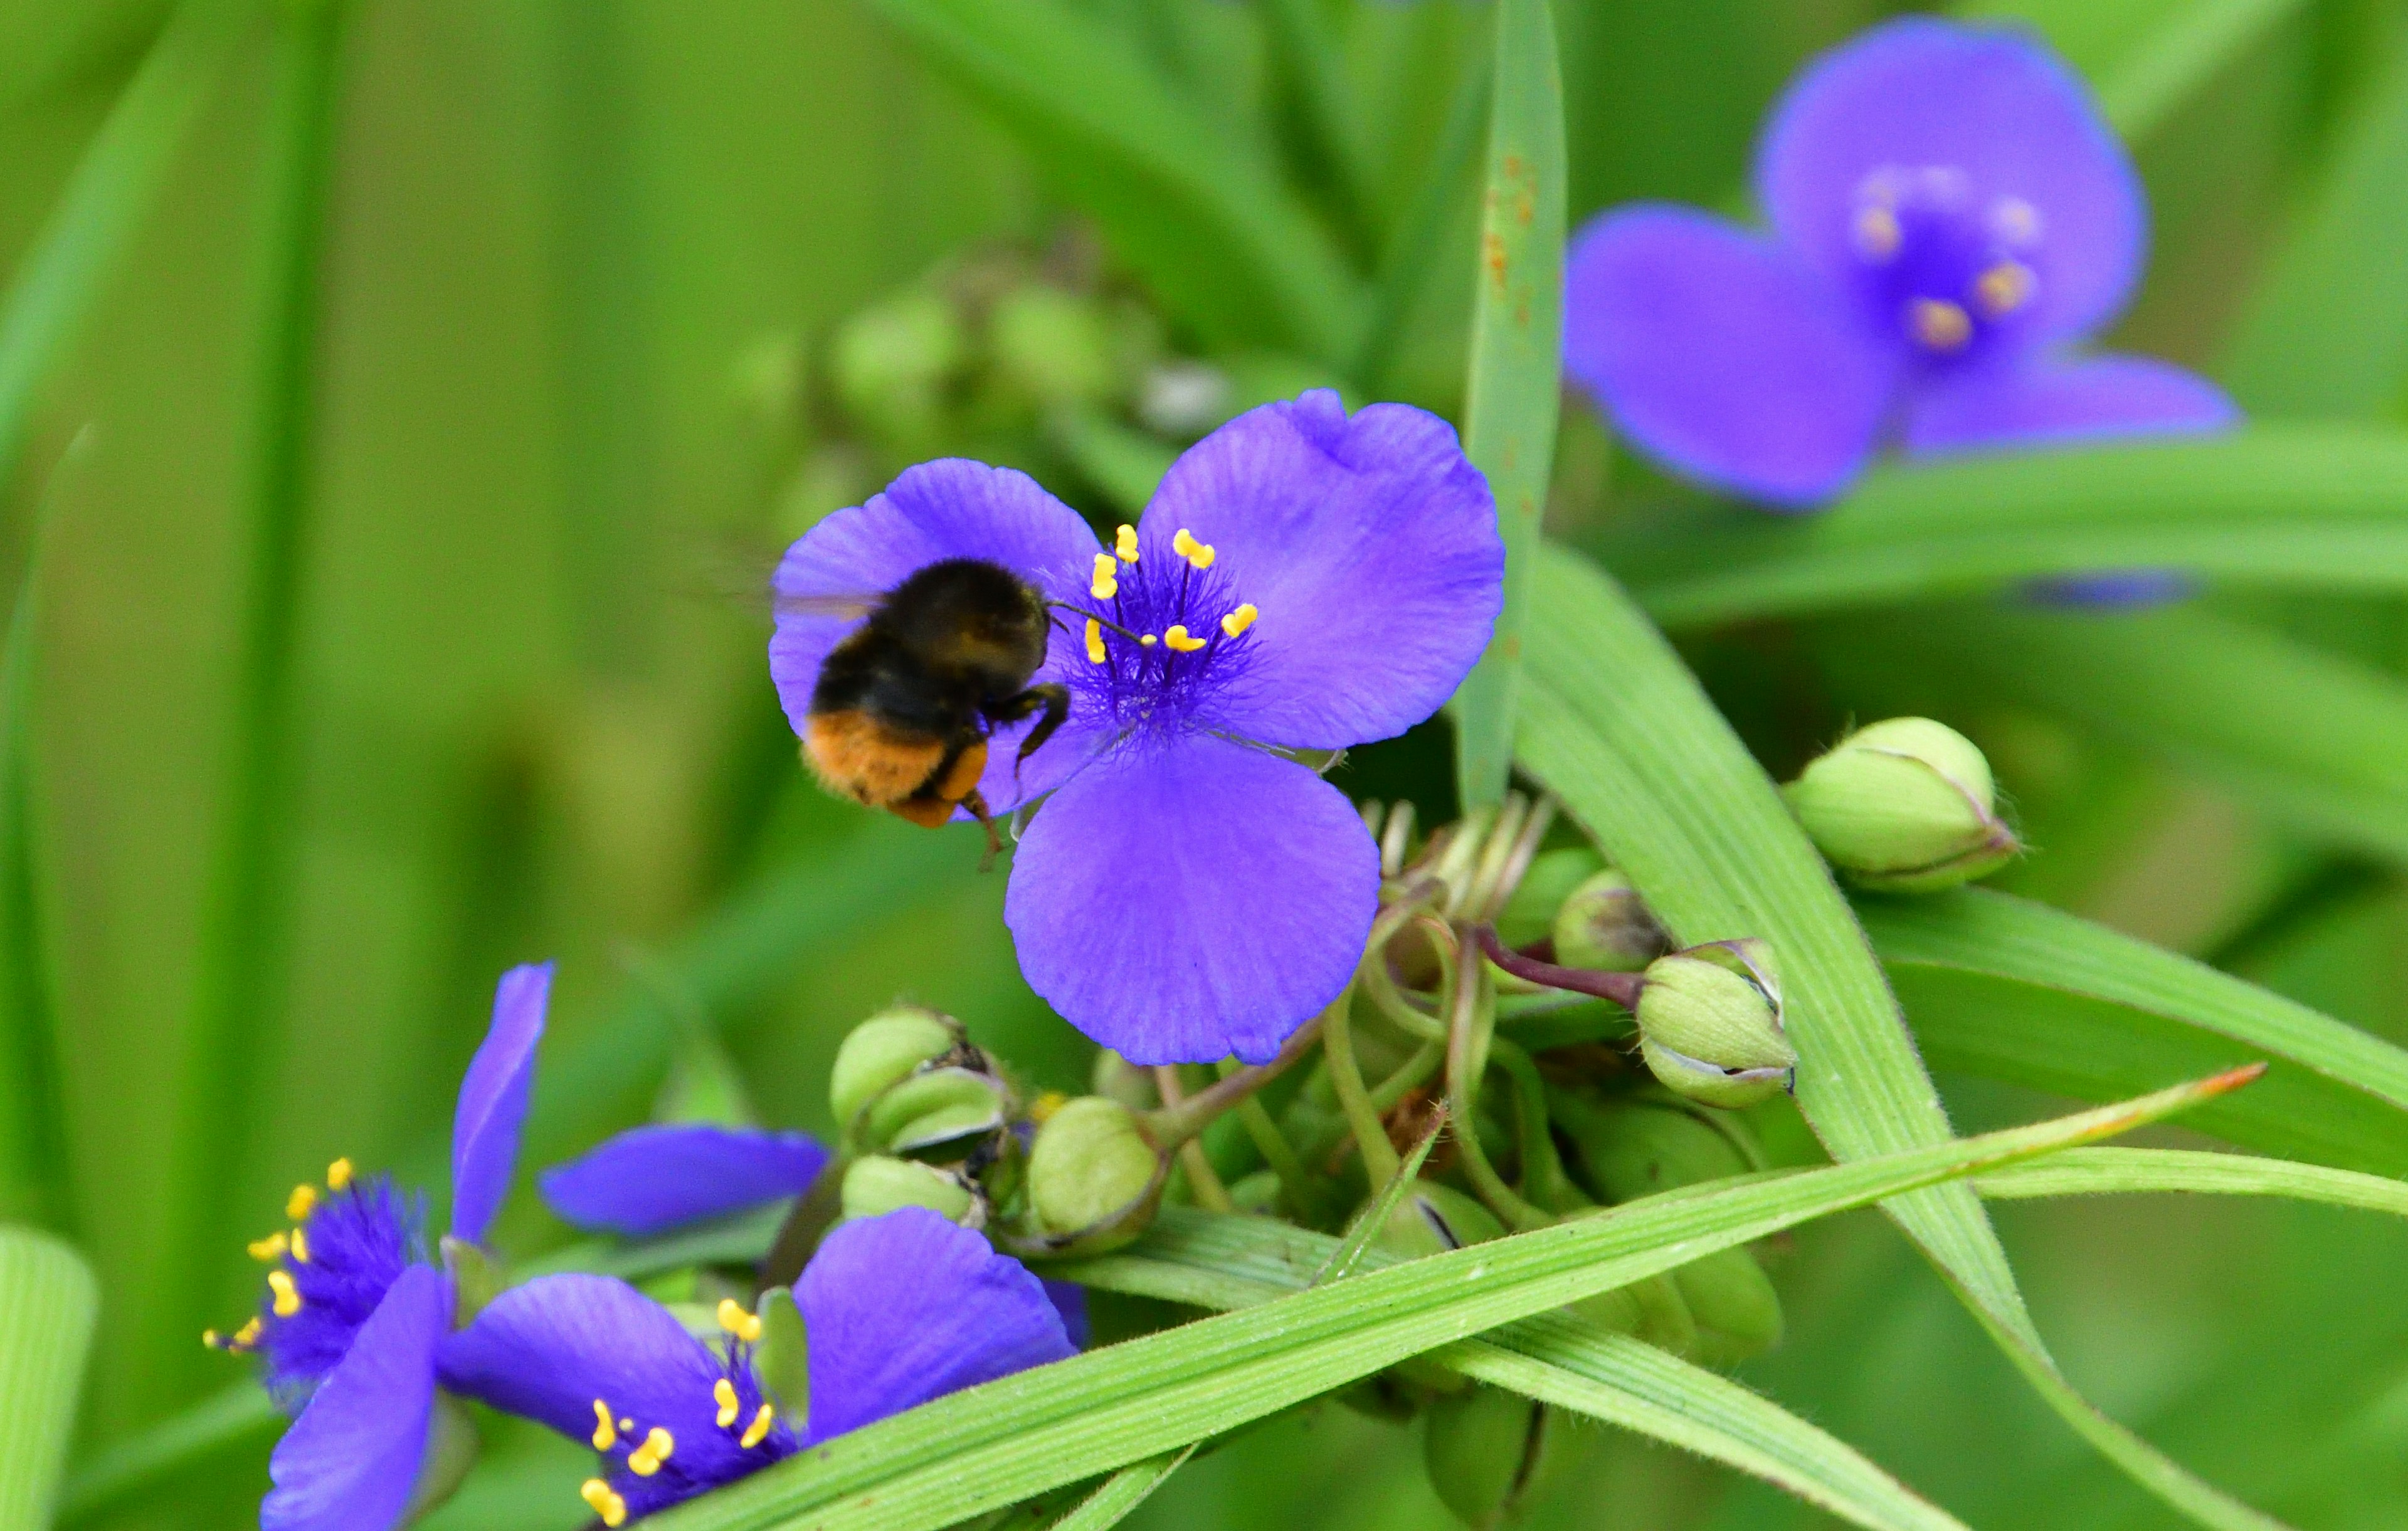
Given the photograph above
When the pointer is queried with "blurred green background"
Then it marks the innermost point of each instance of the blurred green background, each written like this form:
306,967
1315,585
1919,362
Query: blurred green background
403,469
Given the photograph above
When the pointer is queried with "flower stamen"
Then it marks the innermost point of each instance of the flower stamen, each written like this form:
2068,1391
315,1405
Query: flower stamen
1176,636
300,1245
1237,622
2004,288
1940,325
1095,640
268,1249
646,1460
1877,234
723,1393
338,1175
1106,583
1199,555
1125,543
735,1321
758,1430
288,1296
301,1203
605,1435
599,1498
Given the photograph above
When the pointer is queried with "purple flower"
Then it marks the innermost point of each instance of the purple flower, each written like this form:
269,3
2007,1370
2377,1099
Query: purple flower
897,1309
354,1309
1302,580
1948,212
648,1179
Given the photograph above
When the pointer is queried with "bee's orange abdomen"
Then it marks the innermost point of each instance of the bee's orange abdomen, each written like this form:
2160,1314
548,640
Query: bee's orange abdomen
854,753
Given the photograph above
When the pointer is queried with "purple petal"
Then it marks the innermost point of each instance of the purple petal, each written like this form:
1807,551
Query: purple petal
548,1349
349,1461
1069,1300
949,508
1186,899
1915,95
493,1101
1723,356
909,1306
2063,402
652,1178
1370,547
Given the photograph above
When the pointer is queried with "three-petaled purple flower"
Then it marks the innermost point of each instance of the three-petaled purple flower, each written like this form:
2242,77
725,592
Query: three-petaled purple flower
354,1309
1948,212
898,1310
1302,580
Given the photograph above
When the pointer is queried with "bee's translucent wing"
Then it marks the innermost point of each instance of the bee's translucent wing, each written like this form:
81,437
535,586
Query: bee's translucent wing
849,608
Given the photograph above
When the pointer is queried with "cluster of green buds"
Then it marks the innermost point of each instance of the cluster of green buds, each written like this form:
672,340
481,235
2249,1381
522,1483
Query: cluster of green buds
924,1116
1906,805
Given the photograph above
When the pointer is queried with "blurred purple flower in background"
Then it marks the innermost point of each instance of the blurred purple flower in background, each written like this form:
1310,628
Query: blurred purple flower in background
1301,579
898,1310
353,1310
1948,212
652,1178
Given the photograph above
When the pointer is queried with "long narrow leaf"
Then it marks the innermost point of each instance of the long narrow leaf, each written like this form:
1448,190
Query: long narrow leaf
1003,1443
1122,1492
1517,365
47,1306
2101,1172
1620,729
2273,505
1228,1262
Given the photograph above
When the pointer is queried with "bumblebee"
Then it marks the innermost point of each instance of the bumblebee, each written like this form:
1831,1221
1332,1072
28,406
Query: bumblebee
903,705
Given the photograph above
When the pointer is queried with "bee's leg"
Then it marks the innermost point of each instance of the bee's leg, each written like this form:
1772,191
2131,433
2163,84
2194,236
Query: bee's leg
976,803
1053,701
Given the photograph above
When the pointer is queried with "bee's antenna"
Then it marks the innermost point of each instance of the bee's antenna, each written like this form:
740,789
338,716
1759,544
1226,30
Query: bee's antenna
1107,621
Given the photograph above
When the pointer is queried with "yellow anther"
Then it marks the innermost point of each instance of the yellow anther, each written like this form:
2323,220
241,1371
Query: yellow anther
599,1498
722,1392
1145,639
2015,220
248,1336
1198,554
338,1175
2004,288
209,1338
646,1460
1106,583
270,1248
301,1203
605,1435
1877,234
288,1296
1046,1105
1125,543
735,1321
1239,620
1176,636
300,1247
1095,641
758,1430
1940,325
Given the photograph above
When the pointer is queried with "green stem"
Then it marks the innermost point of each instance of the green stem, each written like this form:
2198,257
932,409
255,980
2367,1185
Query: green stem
1277,1151
1371,1137
1472,1014
1203,1181
1542,1168
1413,1071
237,991
1183,1115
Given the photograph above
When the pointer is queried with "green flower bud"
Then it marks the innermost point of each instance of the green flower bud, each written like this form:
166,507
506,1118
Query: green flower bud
891,362
882,1052
1054,345
781,1358
876,1185
1603,924
1487,1452
1094,1176
1432,1218
1733,1303
1710,1024
1122,1080
1904,806
1553,876
935,1107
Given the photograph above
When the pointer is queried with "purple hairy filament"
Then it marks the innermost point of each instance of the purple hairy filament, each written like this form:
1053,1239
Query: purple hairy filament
1163,636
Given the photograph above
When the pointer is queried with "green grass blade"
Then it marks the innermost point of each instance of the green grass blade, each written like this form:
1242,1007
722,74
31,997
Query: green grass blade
1003,1443
1618,728
59,283
228,1420
1226,1263
2144,76
1413,250
48,1307
237,988
2325,1077
1514,387
2321,744
1122,1492
2120,1171
1203,219
2271,505
2327,332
